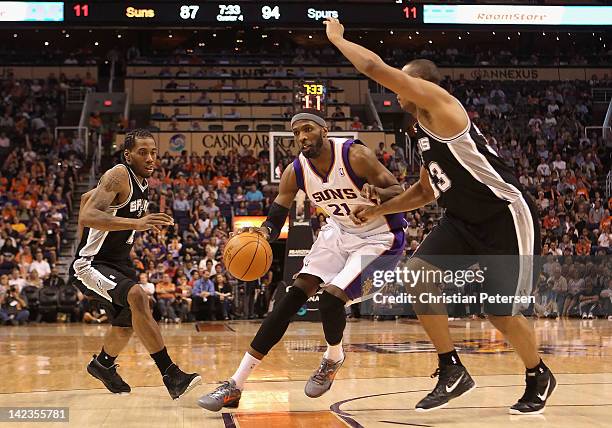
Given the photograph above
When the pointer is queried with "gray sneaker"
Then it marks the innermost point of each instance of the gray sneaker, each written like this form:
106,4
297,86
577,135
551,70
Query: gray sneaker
226,395
321,380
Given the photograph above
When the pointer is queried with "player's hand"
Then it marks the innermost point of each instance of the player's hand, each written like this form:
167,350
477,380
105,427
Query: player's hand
261,230
362,214
334,29
370,192
153,221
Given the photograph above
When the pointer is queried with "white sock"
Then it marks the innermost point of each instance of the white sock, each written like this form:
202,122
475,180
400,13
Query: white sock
244,370
334,352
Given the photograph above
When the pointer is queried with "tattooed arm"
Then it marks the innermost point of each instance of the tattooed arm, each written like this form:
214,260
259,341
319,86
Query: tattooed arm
84,198
115,182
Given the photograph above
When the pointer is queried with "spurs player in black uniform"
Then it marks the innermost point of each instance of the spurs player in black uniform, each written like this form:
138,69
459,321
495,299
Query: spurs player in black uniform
487,213
109,216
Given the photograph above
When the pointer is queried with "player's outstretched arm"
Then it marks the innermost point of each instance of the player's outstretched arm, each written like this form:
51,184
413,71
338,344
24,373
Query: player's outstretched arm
94,213
416,196
426,95
380,185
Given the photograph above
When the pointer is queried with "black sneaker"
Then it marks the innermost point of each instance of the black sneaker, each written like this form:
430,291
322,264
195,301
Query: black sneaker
540,386
108,376
453,382
178,382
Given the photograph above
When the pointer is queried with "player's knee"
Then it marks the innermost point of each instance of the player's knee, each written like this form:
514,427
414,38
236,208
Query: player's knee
501,323
123,331
309,284
138,299
328,302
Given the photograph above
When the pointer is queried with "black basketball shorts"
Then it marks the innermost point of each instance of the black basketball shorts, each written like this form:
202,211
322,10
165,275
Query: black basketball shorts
506,248
109,284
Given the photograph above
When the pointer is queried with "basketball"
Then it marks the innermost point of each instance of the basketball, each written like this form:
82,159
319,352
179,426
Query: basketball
247,256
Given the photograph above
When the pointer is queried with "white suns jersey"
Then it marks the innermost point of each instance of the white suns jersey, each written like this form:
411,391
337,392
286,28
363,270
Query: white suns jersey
339,191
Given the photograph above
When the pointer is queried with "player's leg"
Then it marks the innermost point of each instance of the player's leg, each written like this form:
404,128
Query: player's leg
177,382
518,233
441,250
381,252
269,334
539,380
322,263
116,286
102,366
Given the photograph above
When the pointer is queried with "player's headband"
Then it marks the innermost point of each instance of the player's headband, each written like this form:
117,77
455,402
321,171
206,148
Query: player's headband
309,116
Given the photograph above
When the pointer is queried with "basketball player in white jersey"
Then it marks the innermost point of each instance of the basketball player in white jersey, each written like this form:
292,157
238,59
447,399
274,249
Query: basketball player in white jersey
489,218
337,175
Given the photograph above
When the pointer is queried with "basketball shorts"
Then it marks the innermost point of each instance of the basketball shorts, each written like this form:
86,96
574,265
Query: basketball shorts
506,248
348,261
109,284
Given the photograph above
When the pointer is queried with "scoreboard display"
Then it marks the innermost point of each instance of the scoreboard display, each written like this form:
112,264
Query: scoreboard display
396,14
231,13
310,95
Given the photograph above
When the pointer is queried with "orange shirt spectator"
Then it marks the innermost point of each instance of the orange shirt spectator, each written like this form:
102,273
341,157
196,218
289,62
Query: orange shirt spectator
165,289
356,123
584,192
583,247
605,222
551,221
8,211
220,180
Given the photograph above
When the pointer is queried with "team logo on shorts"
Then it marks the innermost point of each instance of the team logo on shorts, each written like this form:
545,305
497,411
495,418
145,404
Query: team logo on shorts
341,171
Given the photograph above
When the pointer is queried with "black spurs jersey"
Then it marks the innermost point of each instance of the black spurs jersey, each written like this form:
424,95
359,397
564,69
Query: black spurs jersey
467,176
115,246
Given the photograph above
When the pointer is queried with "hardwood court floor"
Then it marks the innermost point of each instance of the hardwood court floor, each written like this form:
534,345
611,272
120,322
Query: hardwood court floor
386,372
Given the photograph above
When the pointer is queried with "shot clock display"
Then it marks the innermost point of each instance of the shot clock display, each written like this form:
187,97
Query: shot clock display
310,95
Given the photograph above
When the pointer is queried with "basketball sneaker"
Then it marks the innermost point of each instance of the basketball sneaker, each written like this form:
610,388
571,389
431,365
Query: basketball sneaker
226,395
540,386
321,380
108,376
453,382
178,382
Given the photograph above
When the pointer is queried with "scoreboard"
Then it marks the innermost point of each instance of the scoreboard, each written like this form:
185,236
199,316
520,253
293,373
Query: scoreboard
395,14
237,13
210,13
310,95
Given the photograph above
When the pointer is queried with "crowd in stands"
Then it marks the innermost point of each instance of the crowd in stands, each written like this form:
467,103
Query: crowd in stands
538,128
267,52
470,55
38,175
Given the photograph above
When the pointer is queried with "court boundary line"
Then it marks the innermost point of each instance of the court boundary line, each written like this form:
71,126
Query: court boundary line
300,380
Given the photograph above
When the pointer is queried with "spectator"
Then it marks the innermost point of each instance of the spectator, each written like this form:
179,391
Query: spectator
166,295
13,309
54,280
203,296
41,266
356,125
